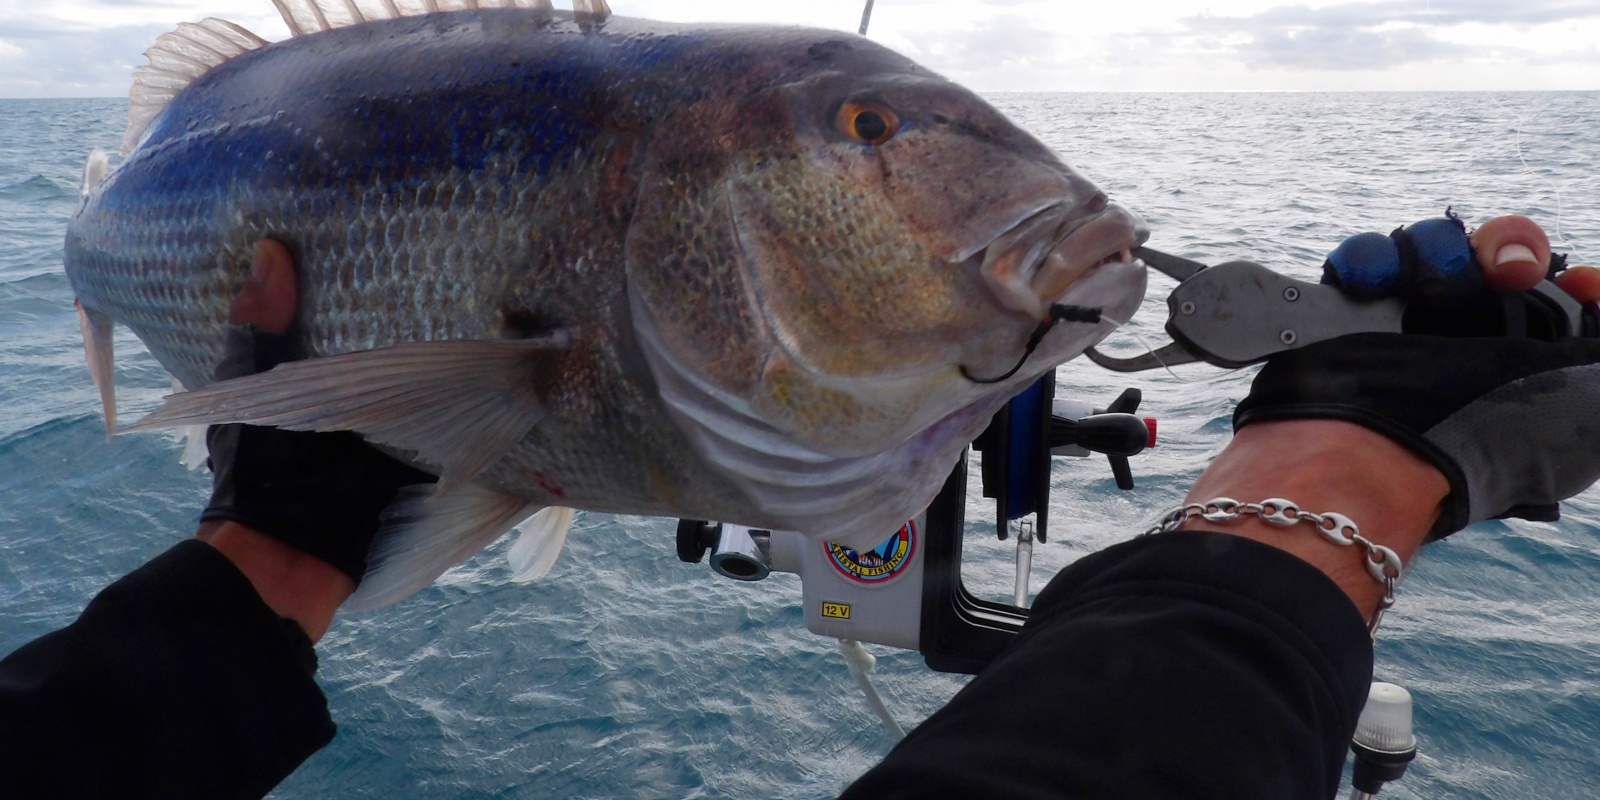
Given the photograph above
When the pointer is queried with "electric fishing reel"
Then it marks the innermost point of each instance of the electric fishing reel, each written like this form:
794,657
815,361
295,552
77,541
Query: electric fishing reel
907,592
961,632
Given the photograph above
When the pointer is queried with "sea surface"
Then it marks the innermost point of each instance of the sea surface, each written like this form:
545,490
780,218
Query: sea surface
629,674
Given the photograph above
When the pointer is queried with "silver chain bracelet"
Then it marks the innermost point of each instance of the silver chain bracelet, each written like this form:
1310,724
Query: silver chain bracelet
1383,563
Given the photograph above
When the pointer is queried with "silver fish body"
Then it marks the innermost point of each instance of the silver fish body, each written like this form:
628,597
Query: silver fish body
730,273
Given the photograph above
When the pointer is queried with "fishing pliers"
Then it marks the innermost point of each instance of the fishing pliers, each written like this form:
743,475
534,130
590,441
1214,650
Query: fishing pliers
1240,313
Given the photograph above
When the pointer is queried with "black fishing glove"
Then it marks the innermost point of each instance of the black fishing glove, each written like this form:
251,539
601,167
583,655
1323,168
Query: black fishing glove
321,492
1512,421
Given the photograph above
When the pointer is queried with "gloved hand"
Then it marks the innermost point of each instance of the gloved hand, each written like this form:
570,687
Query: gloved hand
1512,421
321,492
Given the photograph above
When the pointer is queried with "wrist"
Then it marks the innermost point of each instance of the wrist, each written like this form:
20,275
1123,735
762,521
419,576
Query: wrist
292,582
1328,466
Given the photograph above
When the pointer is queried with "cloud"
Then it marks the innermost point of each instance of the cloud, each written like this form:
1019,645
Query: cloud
1426,12
53,62
1367,36
89,48
1006,40
84,48
1571,58
1346,49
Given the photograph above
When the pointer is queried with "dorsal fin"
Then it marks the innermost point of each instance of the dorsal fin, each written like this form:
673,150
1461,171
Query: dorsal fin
310,16
176,59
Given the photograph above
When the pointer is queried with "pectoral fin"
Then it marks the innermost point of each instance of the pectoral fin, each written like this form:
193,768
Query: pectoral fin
423,535
539,541
96,329
458,405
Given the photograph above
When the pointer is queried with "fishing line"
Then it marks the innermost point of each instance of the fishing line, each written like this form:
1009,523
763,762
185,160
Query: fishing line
1059,312
1516,131
1157,356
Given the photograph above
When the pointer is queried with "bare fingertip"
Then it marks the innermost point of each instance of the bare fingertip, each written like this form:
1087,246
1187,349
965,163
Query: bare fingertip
1583,283
1515,276
1514,252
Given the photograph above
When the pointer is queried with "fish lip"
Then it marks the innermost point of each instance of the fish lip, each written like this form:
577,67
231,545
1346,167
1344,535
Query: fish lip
1035,262
1022,217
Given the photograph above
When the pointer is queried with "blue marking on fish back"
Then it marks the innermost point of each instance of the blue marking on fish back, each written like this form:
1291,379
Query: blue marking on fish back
398,100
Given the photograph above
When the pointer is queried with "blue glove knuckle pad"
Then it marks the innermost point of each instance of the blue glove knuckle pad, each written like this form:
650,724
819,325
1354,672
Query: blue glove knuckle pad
1409,260
321,492
1510,422
1366,262
1441,244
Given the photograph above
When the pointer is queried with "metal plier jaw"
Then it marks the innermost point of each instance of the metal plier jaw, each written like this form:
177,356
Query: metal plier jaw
1240,313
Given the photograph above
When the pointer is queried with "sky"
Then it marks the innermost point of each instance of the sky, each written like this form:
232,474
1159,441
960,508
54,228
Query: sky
88,48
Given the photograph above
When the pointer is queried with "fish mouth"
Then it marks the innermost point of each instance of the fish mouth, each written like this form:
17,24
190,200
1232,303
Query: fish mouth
1034,263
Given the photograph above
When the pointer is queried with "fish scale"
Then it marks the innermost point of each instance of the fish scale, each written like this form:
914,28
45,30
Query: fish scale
413,270
608,264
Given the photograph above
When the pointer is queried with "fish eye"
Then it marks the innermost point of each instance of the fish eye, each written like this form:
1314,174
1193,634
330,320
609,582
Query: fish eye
868,123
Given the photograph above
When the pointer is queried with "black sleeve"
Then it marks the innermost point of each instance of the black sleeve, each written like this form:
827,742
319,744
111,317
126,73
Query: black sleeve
176,681
1181,665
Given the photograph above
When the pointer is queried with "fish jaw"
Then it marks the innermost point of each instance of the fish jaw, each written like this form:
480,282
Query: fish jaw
1032,266
1115,287
856,398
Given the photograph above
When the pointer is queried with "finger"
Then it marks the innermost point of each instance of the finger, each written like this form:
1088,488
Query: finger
270,294
1514,252
1583,283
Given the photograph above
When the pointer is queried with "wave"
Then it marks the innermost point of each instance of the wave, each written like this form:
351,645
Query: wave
49,428
37,187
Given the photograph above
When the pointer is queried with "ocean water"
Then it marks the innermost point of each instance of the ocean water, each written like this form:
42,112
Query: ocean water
628,674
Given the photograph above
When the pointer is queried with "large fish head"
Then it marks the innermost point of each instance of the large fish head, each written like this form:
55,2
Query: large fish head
897,241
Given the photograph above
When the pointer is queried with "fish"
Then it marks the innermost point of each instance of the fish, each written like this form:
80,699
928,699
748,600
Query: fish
565,259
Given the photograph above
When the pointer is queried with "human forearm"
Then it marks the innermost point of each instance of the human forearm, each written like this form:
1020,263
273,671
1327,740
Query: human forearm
1325,465
1185,665
176,681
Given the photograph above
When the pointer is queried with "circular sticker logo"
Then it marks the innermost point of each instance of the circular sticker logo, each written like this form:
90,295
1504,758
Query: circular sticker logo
879,564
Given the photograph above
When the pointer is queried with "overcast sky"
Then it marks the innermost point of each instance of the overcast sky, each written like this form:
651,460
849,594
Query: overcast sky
88,48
